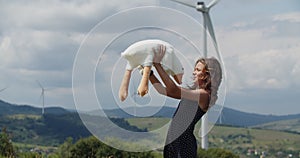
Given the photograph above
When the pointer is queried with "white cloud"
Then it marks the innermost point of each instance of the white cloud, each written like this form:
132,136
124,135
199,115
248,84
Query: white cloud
60,15
293,17
34,49
39,40
266,69
260,55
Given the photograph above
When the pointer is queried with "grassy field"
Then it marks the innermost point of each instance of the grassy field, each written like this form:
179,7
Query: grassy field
245,142
151,123
241,141
24,116
286,125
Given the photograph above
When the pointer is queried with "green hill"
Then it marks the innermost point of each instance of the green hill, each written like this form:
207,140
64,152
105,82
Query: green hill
245,140
242,141
292,125
11,109
150,123
228,115
26,125
50,129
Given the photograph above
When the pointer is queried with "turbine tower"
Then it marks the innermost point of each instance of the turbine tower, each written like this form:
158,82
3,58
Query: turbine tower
201,7
133,95
221,118
42,96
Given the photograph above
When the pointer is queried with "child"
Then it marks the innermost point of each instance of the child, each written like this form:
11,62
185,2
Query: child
141,54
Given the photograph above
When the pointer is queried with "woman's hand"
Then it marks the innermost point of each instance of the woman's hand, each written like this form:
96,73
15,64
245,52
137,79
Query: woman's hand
159,54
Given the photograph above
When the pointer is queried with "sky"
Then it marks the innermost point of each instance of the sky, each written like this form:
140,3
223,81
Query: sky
40,41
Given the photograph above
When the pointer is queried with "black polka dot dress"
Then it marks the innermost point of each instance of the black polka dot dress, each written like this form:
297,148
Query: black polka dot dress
181,142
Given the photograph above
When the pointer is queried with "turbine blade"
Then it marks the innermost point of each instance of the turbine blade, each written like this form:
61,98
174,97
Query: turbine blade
184,3
211,32
211,4
38,82
3,89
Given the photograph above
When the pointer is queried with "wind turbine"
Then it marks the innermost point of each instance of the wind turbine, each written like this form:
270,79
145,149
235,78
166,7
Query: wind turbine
42,96
201,7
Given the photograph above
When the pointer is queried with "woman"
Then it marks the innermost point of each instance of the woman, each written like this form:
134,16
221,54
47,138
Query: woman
195,101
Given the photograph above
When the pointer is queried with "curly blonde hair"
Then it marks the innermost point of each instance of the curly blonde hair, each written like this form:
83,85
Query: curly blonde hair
212,78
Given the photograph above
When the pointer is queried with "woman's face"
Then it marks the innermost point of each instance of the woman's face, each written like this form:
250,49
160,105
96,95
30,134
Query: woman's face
198,73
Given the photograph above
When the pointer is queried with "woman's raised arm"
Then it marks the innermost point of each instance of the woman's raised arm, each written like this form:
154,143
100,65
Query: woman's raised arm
171,89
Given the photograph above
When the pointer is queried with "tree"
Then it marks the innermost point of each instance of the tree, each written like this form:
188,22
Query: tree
91,147
64,150
86,147
6,147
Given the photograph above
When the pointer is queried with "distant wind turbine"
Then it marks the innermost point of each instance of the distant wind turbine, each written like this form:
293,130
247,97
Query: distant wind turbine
201,7
42,96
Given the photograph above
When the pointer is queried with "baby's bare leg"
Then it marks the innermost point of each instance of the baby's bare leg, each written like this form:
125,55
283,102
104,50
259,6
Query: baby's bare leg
123,91
143,87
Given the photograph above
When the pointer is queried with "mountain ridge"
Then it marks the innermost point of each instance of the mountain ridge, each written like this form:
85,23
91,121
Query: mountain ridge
8,109
228,116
